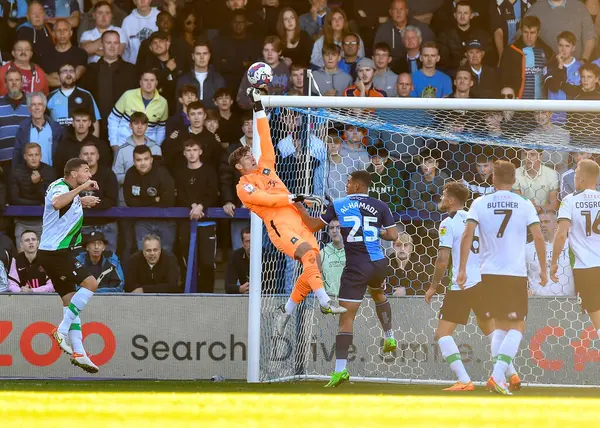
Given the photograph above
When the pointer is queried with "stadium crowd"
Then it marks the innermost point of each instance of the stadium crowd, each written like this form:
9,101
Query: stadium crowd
152,95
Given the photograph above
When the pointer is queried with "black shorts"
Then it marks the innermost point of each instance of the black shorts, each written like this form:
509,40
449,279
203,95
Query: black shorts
587,285
506,297
63,269
457,305
357,277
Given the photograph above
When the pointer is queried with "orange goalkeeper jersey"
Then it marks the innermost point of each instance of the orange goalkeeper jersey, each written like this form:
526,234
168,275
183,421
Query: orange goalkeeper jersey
262,191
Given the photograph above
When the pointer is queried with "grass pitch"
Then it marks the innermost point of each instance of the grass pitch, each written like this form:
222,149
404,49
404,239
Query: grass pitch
145,404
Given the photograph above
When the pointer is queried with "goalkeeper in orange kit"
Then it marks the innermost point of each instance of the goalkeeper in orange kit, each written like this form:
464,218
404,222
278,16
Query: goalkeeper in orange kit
263,193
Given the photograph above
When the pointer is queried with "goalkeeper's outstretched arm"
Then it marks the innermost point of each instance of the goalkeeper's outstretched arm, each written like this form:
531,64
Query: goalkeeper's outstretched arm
313,223
251,195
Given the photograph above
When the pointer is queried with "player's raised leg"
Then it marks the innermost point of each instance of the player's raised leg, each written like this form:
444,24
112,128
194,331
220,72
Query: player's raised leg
384,314
343,341
80,357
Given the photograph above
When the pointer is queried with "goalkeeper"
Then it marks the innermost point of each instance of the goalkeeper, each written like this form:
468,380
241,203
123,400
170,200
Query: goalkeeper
263,193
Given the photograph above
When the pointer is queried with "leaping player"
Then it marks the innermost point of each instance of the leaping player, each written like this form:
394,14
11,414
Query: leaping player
459,301
263,193
579,218
363,220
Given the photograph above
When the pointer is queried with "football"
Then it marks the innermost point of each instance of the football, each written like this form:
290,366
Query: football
260,75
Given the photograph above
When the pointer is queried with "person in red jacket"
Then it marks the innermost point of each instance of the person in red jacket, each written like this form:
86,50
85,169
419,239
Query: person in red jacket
34,78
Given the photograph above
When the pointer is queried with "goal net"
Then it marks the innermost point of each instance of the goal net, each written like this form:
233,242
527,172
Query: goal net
412,147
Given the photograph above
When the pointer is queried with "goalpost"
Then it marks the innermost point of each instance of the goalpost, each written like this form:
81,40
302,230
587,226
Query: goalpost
559,346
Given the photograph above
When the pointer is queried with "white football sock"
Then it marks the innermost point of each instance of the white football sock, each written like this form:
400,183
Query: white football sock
322,296
506,353
451,354
496,337
290,307
340,365
76,337
78,303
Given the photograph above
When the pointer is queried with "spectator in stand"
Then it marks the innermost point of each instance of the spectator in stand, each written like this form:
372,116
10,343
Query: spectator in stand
562,69
186,94
411,267
202,76
109,78
144,99
77,134
38,128
297,45
578,123
337,171
561,15
313,21
62,102
566,284
452,41
198,188
390,32
13,108
229,178
236,50
429,82
505,21
330,80
387,178
229,121
522,64
211,149
153,269
124,158
350,56
102,263
353,150
410,62
487,79
481,182
333,259
384,78
364,86
179,50
149,185
404,86
297,73
167,67
88,20
212,125
537,182
426,183
272,48
138,26
237,275
13,12
107,193
36,32
63,53
547,132
336,27
29,182
567,180
25,268
34,78
91,40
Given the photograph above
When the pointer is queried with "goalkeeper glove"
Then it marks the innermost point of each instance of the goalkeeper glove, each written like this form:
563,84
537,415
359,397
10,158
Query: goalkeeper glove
298,198
254,95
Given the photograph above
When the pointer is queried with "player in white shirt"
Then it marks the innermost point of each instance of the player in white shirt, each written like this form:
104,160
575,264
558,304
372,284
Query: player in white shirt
565,285
61,234
458,302
579,217
503,218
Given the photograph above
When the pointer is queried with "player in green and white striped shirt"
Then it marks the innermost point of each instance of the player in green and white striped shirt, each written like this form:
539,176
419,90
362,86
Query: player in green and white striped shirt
61,234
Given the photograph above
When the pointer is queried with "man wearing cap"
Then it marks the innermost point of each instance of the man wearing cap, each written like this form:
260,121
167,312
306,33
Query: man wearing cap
102,263
167,66
364,83
453,40
486,82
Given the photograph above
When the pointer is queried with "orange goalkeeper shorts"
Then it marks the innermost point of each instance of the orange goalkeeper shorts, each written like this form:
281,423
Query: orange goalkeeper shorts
287,238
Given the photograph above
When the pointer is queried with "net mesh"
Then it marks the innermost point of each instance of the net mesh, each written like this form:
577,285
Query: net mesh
410,155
